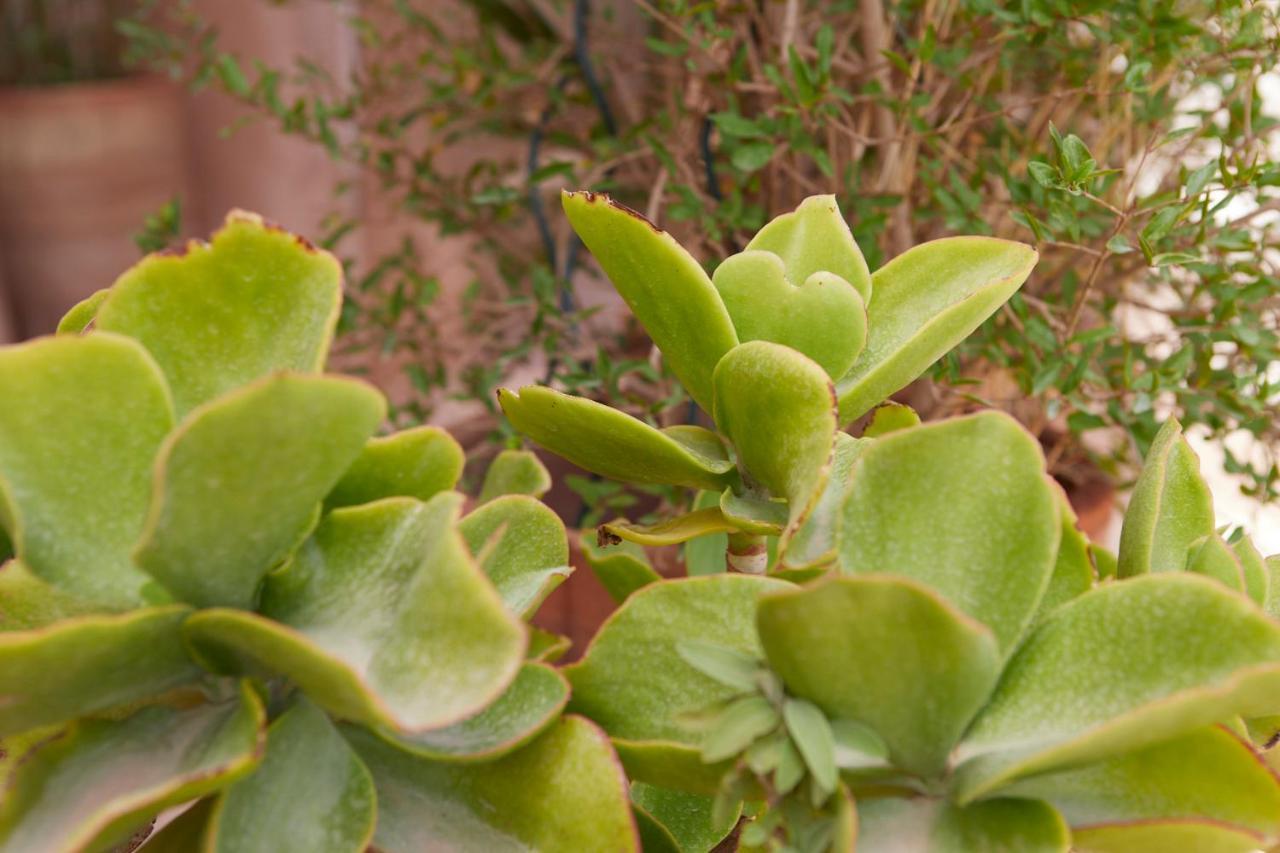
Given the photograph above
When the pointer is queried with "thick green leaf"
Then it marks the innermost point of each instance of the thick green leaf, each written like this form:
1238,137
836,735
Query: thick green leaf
963,506
1072,570
310,794
531,704
616,445
1170,508
671,531
563,793
811,733
238,484
255,301
743,721
183,834
1125,665
416,463
687,817
754,514
924,302
91,663
381,617
890,417
654,837
933,826
546,646
705,555
1162,837
81,423
621,569
78,318
670,765
813,238
886,652
27,602
777,408
814,543
1257,580
521,545
821,316
515,472
1206,777
730,667
92,786
1272,605
1212,557
664,286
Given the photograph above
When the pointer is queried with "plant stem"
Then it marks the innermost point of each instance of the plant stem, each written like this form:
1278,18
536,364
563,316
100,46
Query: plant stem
748,553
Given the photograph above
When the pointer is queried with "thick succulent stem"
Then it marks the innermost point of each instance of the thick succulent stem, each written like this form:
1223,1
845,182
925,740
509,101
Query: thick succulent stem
748,553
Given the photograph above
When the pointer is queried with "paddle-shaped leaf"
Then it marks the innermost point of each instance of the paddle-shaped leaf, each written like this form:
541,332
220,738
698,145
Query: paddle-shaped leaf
814,543
886,652
814,238
531,704
621,568
515,472
310,793
890,417
687,817
255,301
82,420
1120,667
662,284
1257,580
963,506
416,463
90,787
777,408
1212,557
1201,782
923,303
1171,507
563,793
521,545
382,617
616,445
1072,570
239,484
926,825
87,664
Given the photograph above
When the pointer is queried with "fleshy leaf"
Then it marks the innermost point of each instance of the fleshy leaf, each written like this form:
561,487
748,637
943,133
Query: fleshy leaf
821,316
1072,570
1125,665
814,543
309,793
531,704
546,646
1257,580
520,544
621,569
1170,508
239,483
515,472
1206,777
890,417
92,786
83,665
753,514
963,506
886,652
563,793
812,238
255,301
416,463
634,682
932,826
670,531
705,555
1272,605
27,602
925,302
1212,557
1161,837
665,288
78,318
687,817
777,408
183,834
81,422
616,445
381,617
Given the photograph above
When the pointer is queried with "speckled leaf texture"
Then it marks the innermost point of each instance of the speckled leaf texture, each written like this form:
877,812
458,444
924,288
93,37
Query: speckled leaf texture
415,463
521,545
688,818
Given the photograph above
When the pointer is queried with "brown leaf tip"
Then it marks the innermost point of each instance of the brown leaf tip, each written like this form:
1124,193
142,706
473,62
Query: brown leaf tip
592,197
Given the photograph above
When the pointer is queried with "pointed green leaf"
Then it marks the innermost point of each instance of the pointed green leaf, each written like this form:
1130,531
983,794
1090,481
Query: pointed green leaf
1170,508
890,417
777,408
563,793
963,506
1257,580
93,785
821,316
1072,570
687,817
932,826
531,704
382,617
278,446
744,720
654,837
1212,557
812,736
814,543
924,302
521,545
857,746
726,665
886,652
91,663
416,463
663,285
1125,665
183,834
81,422
812,238
310,793
671,531
515,472
1206,777
1104,560
546,646
255,301
76,320
27,602
616,445
621,569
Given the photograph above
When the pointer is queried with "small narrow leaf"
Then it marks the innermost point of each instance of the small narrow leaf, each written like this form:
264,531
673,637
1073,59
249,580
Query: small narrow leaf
726,665
812,735
741,723
672,531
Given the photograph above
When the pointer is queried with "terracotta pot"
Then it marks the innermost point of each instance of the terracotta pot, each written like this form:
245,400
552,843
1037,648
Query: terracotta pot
81,167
